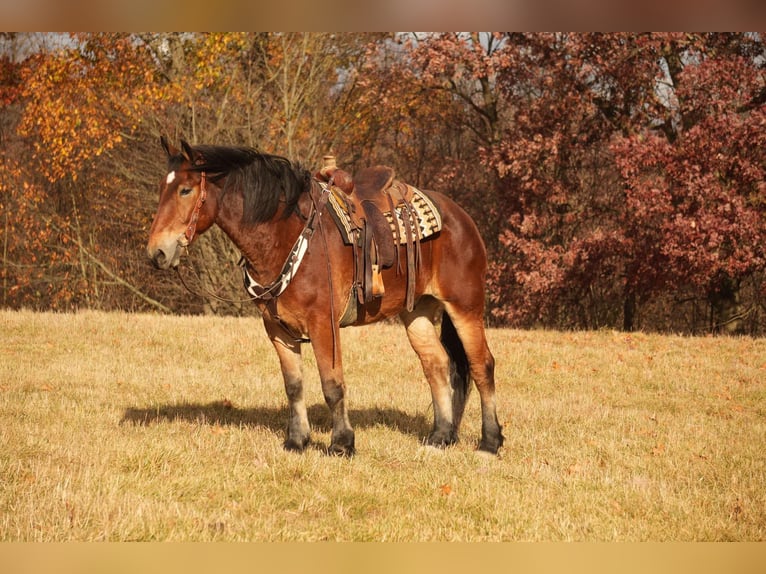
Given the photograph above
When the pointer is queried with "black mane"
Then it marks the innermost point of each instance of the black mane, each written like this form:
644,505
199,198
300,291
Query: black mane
263,179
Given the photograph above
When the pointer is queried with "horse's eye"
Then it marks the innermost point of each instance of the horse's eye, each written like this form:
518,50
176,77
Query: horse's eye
184,191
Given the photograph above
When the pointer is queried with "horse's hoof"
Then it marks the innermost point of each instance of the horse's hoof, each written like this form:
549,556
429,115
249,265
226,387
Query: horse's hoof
342,444
441,439
491,446
339,450
296,446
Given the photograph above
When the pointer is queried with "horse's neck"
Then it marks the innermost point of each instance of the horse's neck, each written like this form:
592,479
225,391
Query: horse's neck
265,245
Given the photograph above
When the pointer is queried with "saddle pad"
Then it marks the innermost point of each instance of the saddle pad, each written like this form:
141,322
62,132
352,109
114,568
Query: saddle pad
426,213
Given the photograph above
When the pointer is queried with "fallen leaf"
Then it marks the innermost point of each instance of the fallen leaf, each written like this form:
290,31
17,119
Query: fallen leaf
738,508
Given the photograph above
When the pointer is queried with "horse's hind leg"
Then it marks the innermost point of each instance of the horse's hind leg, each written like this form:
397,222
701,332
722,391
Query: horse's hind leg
421,331
470,329
289,352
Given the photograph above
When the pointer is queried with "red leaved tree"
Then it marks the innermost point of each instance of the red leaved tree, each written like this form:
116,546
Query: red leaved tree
696,188
562,260
632,170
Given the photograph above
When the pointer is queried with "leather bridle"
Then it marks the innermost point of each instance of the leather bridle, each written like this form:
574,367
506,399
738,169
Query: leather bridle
191,229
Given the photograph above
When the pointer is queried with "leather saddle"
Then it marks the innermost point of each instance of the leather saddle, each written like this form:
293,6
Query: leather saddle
368,196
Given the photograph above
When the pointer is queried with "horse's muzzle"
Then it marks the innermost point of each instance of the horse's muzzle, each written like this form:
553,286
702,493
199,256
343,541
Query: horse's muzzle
164,256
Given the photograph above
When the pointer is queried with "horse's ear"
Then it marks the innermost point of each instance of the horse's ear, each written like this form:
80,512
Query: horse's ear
187,151
166,146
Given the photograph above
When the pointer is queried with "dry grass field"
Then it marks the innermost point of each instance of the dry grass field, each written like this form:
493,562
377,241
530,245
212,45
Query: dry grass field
138,427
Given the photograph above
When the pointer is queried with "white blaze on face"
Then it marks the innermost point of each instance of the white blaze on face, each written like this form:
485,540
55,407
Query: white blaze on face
171,177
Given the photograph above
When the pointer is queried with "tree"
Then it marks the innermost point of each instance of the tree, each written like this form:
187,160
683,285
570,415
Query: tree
562,239
89,113
602,123
695,191
617,178
81,100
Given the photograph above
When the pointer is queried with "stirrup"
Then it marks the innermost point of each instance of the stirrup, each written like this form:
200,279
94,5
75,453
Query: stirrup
378,289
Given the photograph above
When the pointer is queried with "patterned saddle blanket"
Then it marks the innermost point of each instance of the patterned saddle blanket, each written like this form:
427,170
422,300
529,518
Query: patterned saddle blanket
422,211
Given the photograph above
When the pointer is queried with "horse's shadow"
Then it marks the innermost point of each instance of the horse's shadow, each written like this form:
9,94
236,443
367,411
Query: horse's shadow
224,413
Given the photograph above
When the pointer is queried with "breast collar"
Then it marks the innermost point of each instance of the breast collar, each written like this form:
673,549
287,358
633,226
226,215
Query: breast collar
294,258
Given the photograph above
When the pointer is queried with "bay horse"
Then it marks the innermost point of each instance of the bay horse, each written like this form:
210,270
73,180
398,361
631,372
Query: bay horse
270,207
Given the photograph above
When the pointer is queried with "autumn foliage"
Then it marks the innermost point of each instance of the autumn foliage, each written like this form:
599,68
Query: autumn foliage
617,179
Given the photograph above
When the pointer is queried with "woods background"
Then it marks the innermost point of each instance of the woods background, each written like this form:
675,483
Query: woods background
617,179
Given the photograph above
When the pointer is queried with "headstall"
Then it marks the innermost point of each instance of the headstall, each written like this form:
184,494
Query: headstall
191,229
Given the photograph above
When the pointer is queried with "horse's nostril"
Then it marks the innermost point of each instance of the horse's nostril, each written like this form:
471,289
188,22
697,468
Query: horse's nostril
159,259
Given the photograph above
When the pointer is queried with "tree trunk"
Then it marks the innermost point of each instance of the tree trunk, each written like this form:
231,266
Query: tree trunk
629,312
726,306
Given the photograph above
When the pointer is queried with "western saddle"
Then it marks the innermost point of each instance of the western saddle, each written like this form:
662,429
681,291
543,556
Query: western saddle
367,198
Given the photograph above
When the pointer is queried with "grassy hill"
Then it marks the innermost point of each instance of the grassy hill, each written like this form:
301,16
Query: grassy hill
141,427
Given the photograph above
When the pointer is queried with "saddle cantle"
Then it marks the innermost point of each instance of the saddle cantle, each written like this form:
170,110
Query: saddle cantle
371,182
376,214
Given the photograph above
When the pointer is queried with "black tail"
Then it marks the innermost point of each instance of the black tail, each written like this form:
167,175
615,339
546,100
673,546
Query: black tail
459,369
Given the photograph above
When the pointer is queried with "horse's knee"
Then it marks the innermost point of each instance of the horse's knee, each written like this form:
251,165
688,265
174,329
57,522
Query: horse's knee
334,393
293,388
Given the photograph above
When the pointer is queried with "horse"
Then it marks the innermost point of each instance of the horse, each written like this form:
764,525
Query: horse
270,207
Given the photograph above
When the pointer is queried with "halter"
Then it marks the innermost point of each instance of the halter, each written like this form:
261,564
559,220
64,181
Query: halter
191,229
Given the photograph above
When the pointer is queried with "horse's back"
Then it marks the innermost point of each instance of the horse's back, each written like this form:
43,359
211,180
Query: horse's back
459,234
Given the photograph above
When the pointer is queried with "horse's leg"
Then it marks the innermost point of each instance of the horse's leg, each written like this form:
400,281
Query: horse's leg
421,331
330,364
289,352
470,329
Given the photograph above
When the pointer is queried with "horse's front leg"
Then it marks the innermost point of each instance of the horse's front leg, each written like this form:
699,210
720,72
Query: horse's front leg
330,364
289,352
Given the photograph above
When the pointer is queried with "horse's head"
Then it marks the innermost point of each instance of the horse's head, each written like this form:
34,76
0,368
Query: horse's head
185,209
